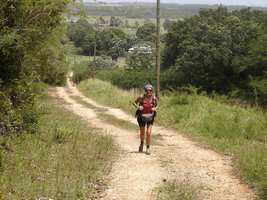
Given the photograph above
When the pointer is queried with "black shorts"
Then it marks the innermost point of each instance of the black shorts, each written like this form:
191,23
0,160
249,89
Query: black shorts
141,123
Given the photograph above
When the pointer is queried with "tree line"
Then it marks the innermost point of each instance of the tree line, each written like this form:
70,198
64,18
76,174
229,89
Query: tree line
219,51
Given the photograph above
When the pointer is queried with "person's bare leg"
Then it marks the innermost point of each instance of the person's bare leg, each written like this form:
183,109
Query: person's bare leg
142,138
148,138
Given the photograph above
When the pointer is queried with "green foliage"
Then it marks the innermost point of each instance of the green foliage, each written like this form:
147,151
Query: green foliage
218,51
83,35
80,72
50,61
138,61
127,79
253,66
85,69
109,41
5,112
28,50
115,22
102,62
113,42
167,24
18,111
147,32
61,134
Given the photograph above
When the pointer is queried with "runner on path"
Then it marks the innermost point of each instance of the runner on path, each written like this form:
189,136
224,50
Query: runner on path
146,112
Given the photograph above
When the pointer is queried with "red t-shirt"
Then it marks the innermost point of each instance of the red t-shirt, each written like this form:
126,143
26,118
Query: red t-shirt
147,102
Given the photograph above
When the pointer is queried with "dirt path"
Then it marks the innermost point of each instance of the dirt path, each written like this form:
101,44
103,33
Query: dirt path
135,176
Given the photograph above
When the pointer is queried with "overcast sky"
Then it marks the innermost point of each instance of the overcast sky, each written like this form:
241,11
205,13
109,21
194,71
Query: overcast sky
225,2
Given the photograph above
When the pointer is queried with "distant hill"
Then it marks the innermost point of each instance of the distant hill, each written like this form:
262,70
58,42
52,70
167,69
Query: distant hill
148,10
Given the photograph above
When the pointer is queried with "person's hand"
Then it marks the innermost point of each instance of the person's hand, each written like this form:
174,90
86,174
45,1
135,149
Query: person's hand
141,108
154,109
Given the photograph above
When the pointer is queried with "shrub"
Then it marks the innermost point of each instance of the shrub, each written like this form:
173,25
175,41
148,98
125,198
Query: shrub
80,72
18,110
127,78
85,69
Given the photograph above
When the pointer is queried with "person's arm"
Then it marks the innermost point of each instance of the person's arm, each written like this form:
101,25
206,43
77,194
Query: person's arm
155,104
136,103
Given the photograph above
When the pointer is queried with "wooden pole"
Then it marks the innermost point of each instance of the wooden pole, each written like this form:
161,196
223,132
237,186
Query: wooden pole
158,50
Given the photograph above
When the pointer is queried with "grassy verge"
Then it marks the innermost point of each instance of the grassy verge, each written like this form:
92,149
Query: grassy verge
172,190
62,161
107,94
101,113
239,132
118,122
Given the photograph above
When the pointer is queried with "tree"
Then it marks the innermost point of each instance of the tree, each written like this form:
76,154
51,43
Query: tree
147,32
118,48
136,24
115,22
101,20
167,24
113,42
83,35
252,67
126,24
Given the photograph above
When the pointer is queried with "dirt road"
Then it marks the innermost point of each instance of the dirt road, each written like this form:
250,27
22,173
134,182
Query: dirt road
136,175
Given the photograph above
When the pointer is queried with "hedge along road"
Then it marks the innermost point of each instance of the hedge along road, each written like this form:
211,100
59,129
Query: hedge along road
174,157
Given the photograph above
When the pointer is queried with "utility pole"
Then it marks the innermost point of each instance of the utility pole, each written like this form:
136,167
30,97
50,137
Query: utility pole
158,50
95,46
96,31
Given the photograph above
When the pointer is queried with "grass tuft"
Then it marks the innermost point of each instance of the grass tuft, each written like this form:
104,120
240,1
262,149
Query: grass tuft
173,190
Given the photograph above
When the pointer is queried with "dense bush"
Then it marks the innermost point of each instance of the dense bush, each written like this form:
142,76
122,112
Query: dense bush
18,111
29,50
140,61
80,72
147,32
127,78
85,69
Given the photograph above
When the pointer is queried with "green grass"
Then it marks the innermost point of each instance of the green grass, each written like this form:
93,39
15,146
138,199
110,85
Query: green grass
117,122
173,190
121,63
62,161
101,113
107,94
233,130
74,59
